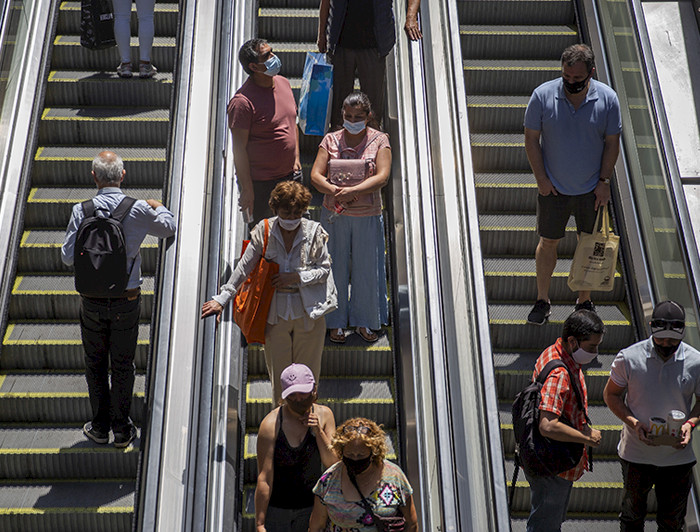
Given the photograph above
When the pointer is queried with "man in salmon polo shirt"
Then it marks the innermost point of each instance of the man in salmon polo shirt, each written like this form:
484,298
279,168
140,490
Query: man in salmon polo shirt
262,118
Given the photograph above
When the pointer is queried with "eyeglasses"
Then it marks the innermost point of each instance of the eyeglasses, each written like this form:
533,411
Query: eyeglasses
360,429
662,325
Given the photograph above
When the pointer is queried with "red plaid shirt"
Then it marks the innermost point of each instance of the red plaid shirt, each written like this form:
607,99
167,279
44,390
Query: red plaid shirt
558,397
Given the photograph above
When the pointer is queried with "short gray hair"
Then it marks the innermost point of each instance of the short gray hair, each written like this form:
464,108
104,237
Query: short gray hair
108,168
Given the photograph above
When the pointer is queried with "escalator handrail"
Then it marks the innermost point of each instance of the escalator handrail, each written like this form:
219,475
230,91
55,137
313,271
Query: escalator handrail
685,227
24,100
171,495
480,483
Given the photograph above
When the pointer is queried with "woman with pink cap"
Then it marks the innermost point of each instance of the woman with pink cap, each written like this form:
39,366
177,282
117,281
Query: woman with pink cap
293,449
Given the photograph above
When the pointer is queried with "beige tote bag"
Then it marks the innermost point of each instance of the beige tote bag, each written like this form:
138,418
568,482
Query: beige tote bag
595,259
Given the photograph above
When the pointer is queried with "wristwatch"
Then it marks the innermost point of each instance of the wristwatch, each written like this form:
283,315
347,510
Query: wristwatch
605,180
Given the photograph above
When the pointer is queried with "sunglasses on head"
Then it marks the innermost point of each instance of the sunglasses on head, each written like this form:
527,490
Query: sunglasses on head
360,429
662,325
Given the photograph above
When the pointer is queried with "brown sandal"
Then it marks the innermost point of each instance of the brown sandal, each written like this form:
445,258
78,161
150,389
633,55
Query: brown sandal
337,335
367,334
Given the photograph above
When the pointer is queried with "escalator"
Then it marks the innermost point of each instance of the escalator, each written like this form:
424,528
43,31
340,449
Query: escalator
357,378
53,478
508,49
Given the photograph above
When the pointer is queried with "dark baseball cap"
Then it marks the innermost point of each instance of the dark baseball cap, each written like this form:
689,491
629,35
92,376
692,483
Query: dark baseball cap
668,321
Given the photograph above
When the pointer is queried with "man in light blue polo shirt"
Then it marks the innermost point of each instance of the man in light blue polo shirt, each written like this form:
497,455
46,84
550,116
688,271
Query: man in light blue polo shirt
572,140
650,379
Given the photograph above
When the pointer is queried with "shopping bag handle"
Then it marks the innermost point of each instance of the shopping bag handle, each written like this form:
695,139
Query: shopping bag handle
602,221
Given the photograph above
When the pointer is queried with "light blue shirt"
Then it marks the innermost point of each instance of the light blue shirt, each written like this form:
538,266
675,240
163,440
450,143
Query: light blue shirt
654,388
142,220
572,140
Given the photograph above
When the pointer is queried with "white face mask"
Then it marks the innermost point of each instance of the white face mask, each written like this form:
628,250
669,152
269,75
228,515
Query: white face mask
355,128
583,357
289,225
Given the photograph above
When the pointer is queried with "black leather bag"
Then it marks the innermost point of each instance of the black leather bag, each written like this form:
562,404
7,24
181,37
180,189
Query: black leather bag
395,523
97,24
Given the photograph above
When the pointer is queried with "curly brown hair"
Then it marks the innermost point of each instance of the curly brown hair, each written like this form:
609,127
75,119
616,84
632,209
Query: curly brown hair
290,195
375,439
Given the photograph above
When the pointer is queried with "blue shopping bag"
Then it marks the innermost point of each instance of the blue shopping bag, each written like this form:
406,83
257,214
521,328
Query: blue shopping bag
316,94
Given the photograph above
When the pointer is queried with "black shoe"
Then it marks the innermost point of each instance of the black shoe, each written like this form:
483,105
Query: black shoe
539,313
123,439
586,305
94,434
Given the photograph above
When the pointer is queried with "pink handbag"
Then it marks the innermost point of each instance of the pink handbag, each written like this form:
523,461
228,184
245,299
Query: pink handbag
350,172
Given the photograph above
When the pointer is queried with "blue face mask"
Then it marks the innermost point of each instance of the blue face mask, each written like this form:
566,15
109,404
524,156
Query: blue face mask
273,66
355,128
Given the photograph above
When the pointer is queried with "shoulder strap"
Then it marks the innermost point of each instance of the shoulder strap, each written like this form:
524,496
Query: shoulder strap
364,502
123,208
88,208
267,231
558,363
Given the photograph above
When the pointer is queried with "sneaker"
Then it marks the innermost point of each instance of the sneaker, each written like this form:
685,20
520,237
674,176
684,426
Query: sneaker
147,70
124,70
95,435
123,439
539,313
586,305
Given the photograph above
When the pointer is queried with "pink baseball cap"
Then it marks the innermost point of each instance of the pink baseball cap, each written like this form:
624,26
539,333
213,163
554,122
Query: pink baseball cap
297,378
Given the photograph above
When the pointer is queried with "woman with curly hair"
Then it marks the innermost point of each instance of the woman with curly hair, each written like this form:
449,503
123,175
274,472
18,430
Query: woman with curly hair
362,485
304,287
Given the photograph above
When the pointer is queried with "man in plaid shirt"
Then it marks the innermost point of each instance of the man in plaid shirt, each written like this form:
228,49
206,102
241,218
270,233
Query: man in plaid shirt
549,496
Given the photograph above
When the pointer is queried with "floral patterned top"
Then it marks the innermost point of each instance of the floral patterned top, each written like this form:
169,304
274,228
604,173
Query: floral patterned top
350,516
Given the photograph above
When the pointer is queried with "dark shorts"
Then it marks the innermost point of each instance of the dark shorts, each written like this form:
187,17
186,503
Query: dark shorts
553,213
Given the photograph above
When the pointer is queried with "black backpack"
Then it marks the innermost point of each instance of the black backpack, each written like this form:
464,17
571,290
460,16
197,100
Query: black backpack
97,24
100,252
537,455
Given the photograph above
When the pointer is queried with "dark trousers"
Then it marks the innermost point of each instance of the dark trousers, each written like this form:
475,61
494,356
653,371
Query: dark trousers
282,520
109,329
672,485
261,193
371,70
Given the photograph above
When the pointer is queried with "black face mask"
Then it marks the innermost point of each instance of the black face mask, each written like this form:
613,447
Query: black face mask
575,88
301,407
355,467
665,351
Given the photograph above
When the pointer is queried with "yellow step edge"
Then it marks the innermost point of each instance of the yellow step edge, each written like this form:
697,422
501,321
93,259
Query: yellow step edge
515,32
39,157
45,117
53,78
68,450
159,8
498,105
506,185
522,69
498,144
77,341
52,395
53,511
59,41
624,323
578,484
267,12
509,426
532,274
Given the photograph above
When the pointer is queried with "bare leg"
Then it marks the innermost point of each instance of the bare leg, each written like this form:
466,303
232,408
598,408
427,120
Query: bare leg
545,261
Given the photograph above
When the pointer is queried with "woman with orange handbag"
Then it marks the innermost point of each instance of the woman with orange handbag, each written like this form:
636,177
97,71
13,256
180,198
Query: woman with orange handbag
304,287
351,167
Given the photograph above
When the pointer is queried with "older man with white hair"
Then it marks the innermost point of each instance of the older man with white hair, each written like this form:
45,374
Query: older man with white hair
111,302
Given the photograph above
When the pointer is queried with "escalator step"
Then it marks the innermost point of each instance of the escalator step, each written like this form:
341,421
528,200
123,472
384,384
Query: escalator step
40,251
355,357
514,371
68,54
514,279
81,88
499,114
250,453
45,506
367,396
280,24
54,345
515,12
515,235
514,192
287,4
498,152
515,42
503,77
70,165
52,207
577,522
34,453
53,297
165,18
54,398
510,330
122,126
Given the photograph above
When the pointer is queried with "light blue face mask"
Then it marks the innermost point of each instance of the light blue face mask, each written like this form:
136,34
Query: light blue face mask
273,66
354,128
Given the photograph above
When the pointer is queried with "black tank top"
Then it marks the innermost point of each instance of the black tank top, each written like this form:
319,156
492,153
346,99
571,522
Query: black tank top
296,471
